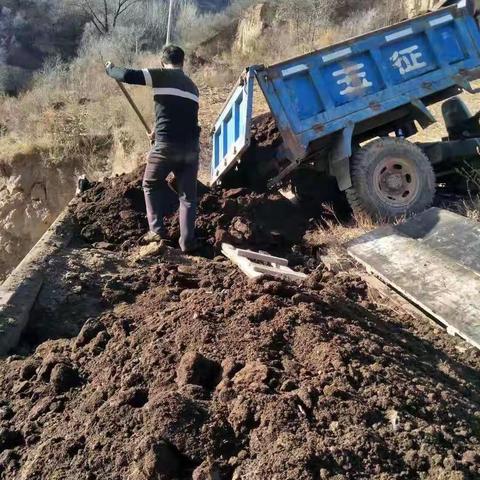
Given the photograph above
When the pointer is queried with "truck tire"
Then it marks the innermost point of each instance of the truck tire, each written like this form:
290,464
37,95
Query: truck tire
391,177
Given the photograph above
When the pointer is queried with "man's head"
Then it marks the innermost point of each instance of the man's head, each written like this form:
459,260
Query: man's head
173,56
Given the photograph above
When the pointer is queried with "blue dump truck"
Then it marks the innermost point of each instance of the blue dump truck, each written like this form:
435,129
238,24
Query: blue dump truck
344,114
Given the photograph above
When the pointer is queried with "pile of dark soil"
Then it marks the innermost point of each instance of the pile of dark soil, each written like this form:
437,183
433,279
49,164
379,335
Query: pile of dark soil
243,218
265,137
207,375
258,163
113,212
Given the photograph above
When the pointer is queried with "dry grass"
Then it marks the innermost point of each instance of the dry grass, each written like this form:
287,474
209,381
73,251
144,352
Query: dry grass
472,212
334,235
79,114
217,76
468,206
298,29
74,111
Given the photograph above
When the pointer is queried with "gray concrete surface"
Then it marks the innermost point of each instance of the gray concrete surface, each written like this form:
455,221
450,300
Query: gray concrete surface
20,290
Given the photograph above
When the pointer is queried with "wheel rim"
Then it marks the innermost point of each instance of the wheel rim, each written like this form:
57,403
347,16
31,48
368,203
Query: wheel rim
396,181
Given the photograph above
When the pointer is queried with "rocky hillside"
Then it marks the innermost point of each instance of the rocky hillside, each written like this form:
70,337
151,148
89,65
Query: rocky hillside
31,32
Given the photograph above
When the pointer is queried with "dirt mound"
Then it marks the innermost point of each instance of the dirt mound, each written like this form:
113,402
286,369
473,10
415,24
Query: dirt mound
237,216
264,143
109,204
207,375
265,132
258,163
243,218
192,371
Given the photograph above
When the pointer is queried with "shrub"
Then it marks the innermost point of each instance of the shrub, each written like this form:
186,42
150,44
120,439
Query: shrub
13,79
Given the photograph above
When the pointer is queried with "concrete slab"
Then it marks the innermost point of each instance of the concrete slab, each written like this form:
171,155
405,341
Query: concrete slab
433,261
21,288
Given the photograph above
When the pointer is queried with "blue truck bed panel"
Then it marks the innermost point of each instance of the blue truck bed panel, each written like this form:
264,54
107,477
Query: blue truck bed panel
323,92
231,135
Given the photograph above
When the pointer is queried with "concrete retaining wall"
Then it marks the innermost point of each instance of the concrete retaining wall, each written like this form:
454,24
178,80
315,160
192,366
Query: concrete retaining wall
20,290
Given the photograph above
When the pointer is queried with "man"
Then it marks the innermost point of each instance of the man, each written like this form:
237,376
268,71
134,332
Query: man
175,142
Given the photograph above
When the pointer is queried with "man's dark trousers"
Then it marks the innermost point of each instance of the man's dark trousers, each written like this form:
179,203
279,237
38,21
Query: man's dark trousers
183,162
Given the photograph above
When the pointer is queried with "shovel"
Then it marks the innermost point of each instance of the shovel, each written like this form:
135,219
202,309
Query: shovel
171,180
135,108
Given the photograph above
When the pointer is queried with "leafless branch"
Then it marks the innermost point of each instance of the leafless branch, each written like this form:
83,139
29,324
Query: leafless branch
122,6
104,14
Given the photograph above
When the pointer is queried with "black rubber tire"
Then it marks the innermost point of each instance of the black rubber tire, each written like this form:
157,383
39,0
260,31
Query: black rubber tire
362,196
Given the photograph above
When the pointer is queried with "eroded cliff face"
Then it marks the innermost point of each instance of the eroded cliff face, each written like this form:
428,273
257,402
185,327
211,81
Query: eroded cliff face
255,22
31,196
415,7
34,189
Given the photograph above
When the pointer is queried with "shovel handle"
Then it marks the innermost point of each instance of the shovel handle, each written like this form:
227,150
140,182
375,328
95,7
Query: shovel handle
135,108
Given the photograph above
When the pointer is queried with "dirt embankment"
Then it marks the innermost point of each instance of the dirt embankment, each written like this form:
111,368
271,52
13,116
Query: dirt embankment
32,194
193,371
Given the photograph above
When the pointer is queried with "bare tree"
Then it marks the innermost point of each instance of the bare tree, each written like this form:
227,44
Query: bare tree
104,14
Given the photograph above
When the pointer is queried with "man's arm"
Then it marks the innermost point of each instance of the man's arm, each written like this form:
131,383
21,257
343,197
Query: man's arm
127,75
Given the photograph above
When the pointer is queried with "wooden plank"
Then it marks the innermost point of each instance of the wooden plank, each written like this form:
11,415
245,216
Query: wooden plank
279,271
262,257
243,259
243,263
440,285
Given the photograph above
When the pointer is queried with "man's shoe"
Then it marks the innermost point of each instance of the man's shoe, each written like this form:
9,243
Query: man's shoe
151,237
192,248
